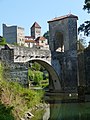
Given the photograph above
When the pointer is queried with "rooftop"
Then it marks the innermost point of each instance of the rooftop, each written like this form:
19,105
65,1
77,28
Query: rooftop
63,17
36,25
29,41
29,37
41,38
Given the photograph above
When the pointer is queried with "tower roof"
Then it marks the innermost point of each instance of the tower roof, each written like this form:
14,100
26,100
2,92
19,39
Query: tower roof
63,17
36,25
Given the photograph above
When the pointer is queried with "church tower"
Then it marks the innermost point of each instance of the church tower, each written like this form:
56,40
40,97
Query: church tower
35,30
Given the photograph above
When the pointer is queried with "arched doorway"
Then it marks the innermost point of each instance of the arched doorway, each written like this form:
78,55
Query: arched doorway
59,42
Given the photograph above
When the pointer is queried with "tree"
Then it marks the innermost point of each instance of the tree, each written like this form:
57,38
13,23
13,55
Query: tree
87,5
38,76
36,66
30,75
46,35
85,27
2,41
82,41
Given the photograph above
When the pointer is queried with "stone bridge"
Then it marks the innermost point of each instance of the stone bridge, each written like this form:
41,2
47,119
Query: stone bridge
60,62
24,54
17,60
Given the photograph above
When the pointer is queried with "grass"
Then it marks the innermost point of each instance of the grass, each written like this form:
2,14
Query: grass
5,112
15,99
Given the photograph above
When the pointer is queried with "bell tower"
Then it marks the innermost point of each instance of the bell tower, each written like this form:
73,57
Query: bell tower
35,30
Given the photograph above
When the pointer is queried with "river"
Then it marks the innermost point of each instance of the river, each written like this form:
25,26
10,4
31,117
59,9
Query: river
58,109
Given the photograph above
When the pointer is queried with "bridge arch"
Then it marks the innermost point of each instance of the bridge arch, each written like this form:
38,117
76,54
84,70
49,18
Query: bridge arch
54,80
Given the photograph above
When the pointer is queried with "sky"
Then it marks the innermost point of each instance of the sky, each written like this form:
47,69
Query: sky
24,13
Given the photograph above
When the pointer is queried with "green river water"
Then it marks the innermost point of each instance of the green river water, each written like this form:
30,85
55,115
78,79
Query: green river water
59,110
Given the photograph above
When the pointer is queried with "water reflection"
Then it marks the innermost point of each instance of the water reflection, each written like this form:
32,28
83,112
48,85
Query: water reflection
68,111
57,110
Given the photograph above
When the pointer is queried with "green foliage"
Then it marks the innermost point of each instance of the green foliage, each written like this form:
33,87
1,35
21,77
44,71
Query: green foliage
46,35
6,112
44,83
82,42
30,74
85,27
35,76
37,73
16,99
2,41
38,115
38,76
87,5
36,66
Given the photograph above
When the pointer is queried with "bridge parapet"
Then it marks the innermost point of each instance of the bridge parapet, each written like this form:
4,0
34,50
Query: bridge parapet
23,54
17,61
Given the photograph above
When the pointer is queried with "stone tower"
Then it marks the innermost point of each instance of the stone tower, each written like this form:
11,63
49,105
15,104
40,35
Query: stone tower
63,46
13,34
35,30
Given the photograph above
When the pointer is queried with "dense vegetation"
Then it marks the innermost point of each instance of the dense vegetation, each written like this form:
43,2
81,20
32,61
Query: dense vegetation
37,75
2,41
85,27
14,99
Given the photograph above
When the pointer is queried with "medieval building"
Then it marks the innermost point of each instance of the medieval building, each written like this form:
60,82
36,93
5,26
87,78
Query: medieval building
13,34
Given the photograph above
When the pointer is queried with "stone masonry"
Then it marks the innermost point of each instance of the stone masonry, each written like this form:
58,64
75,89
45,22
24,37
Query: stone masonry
60,61
16,61
63,46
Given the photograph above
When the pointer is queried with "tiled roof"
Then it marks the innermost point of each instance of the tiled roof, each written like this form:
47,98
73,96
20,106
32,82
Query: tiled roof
63,17
29,37
36,25
29,41
40,38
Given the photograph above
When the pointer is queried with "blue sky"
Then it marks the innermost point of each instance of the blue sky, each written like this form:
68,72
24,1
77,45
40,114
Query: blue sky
24,13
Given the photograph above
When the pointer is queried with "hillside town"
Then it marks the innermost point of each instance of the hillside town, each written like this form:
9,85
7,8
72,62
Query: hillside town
16,35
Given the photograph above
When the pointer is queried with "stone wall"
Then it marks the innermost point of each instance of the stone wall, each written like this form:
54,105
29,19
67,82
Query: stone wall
18,70
14,71
24,54
87,67
81,69
63,46
16,61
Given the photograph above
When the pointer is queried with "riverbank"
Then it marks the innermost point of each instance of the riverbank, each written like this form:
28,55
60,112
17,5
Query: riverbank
36,113
15,100
18,100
